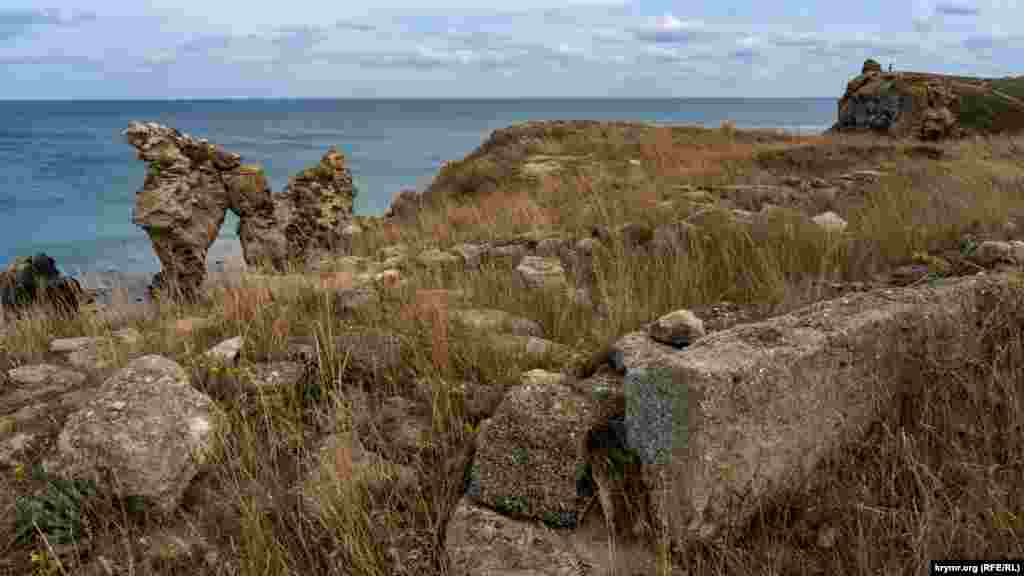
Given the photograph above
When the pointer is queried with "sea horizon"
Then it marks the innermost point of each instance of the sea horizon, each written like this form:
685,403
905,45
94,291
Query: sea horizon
423,98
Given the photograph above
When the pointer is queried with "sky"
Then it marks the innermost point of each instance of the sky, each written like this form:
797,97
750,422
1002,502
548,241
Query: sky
180,49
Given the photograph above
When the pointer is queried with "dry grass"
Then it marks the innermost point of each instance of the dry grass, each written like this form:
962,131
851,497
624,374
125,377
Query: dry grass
939,476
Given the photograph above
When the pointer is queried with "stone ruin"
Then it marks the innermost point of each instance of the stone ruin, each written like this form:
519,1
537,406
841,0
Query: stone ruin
191,184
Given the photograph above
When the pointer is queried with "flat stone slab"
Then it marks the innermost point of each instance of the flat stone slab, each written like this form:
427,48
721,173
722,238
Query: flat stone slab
480,541
40,380
487,320
752,409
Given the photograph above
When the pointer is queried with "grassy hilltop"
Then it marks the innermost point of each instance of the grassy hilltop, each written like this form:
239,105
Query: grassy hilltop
916,486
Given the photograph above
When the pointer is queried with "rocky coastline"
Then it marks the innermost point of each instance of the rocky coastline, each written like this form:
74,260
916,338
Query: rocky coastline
681,350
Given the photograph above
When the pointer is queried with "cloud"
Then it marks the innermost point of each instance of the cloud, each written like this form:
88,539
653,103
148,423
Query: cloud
798,42
744,54
477,51
668,29
956,8
299,39
875,47
991,46
78,62
14,23
277,47
354,26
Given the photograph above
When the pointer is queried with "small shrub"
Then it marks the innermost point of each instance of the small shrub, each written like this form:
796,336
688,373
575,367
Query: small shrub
56,512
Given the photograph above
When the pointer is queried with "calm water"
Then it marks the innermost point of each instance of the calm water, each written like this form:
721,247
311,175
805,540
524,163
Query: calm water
68,179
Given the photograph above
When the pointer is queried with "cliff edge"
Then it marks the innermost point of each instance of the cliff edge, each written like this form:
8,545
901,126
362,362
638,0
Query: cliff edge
930,106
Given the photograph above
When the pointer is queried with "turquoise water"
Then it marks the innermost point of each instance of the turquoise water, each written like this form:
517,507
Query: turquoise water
68,179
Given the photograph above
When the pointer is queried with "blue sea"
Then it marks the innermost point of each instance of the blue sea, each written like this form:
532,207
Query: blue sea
68,179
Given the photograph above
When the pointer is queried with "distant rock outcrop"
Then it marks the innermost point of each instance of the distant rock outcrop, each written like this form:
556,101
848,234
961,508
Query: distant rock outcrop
190,184
927,106
35,279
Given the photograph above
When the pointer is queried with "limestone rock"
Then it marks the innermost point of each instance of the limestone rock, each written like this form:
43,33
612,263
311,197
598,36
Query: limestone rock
40,380
992,252
552,247
481,541
470,254
542,378
529,452
486,320
677,329
93,353
913,105
536,273
275,376
36,279
636,348
227,351
754,408
532,349
506,254
437,259
147,426
190,184
830,222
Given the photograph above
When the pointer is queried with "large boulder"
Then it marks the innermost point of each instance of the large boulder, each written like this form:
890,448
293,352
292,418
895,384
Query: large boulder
530,452
36,279
144,433
753,409
190,184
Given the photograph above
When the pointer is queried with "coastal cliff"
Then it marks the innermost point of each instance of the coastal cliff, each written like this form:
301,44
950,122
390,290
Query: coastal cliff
929,106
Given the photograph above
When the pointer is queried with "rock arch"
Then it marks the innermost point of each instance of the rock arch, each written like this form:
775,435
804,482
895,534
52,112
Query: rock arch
191,184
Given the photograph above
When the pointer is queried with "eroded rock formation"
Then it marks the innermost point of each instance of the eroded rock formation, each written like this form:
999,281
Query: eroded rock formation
900,103
925,106
35,279
191,184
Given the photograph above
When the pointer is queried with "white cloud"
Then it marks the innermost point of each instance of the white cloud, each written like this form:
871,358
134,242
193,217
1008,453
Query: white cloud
667,29
401,47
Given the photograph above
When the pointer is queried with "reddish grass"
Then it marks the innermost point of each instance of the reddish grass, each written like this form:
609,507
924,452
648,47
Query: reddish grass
672,160
243,304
